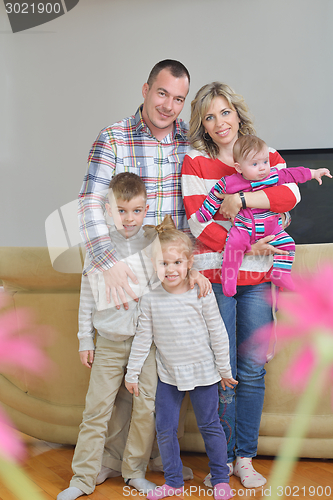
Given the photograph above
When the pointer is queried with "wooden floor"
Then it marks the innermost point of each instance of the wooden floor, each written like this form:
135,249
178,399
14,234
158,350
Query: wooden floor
49,468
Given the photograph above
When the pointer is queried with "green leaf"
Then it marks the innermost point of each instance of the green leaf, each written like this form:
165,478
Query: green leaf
18,482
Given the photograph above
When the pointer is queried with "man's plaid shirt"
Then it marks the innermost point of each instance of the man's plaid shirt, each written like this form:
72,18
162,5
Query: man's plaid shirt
128,146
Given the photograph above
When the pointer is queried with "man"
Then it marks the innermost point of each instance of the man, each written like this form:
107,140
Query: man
152,144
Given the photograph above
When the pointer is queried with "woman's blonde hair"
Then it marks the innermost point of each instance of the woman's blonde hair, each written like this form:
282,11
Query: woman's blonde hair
199,108
166,233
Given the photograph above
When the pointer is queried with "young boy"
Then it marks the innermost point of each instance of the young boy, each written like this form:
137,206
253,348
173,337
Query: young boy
251,159
115,330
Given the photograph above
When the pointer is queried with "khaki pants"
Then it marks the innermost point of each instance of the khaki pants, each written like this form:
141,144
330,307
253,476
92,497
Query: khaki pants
105,381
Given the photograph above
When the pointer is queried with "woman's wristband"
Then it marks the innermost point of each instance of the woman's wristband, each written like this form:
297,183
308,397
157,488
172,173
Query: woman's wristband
242,197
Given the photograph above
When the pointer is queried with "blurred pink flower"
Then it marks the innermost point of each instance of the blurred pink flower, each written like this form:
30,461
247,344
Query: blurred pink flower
18,347
20,350
11,447
307,316
307,313
311,306
299,372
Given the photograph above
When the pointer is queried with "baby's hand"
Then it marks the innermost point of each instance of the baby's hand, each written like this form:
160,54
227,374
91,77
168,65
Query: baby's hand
319,173
132,388
228,382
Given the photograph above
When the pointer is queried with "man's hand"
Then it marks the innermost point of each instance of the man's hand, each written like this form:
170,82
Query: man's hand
231,205
262,247
87,358
132,388
116,284
205,286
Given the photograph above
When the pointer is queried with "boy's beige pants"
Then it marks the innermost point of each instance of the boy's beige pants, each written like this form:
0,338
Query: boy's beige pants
128,452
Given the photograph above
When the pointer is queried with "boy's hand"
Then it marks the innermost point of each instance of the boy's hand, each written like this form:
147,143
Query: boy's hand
203,283
132,388
116,283
87,358
228,382
319,173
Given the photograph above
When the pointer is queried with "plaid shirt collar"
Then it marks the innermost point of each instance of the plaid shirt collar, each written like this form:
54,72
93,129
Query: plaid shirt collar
141,125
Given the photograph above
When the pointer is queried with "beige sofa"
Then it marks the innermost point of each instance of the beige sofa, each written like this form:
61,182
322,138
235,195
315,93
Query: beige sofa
51,408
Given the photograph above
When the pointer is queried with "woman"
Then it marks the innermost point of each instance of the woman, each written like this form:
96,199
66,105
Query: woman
218,117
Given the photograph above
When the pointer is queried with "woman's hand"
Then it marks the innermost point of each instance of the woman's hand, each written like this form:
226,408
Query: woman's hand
231,205
205,286
262,247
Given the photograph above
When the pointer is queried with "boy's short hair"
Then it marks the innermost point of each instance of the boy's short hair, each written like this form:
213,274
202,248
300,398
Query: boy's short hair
127,186
247,144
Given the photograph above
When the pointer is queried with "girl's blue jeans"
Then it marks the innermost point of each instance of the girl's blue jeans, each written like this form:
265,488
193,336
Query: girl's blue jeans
240,408
204,400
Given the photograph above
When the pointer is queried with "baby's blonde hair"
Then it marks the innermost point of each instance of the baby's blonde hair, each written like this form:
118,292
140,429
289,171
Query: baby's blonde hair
247,144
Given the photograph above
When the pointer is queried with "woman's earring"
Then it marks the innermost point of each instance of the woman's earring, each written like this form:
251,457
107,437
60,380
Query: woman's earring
206,136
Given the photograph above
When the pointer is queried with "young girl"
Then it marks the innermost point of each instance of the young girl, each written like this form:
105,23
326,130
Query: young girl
192,355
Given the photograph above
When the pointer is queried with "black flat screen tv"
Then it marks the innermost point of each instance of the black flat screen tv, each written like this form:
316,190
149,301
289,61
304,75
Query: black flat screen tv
312,218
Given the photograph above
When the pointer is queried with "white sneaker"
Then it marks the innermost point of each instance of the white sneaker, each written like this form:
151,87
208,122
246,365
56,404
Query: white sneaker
105,473
207,480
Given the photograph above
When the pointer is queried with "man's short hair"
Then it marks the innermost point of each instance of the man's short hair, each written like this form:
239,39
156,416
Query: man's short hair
127,186
176,68
247,144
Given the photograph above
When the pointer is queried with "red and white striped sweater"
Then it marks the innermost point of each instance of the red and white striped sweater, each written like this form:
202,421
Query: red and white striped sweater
199,174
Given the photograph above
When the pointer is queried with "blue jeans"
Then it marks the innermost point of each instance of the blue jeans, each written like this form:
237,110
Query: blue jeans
204,400
240,408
